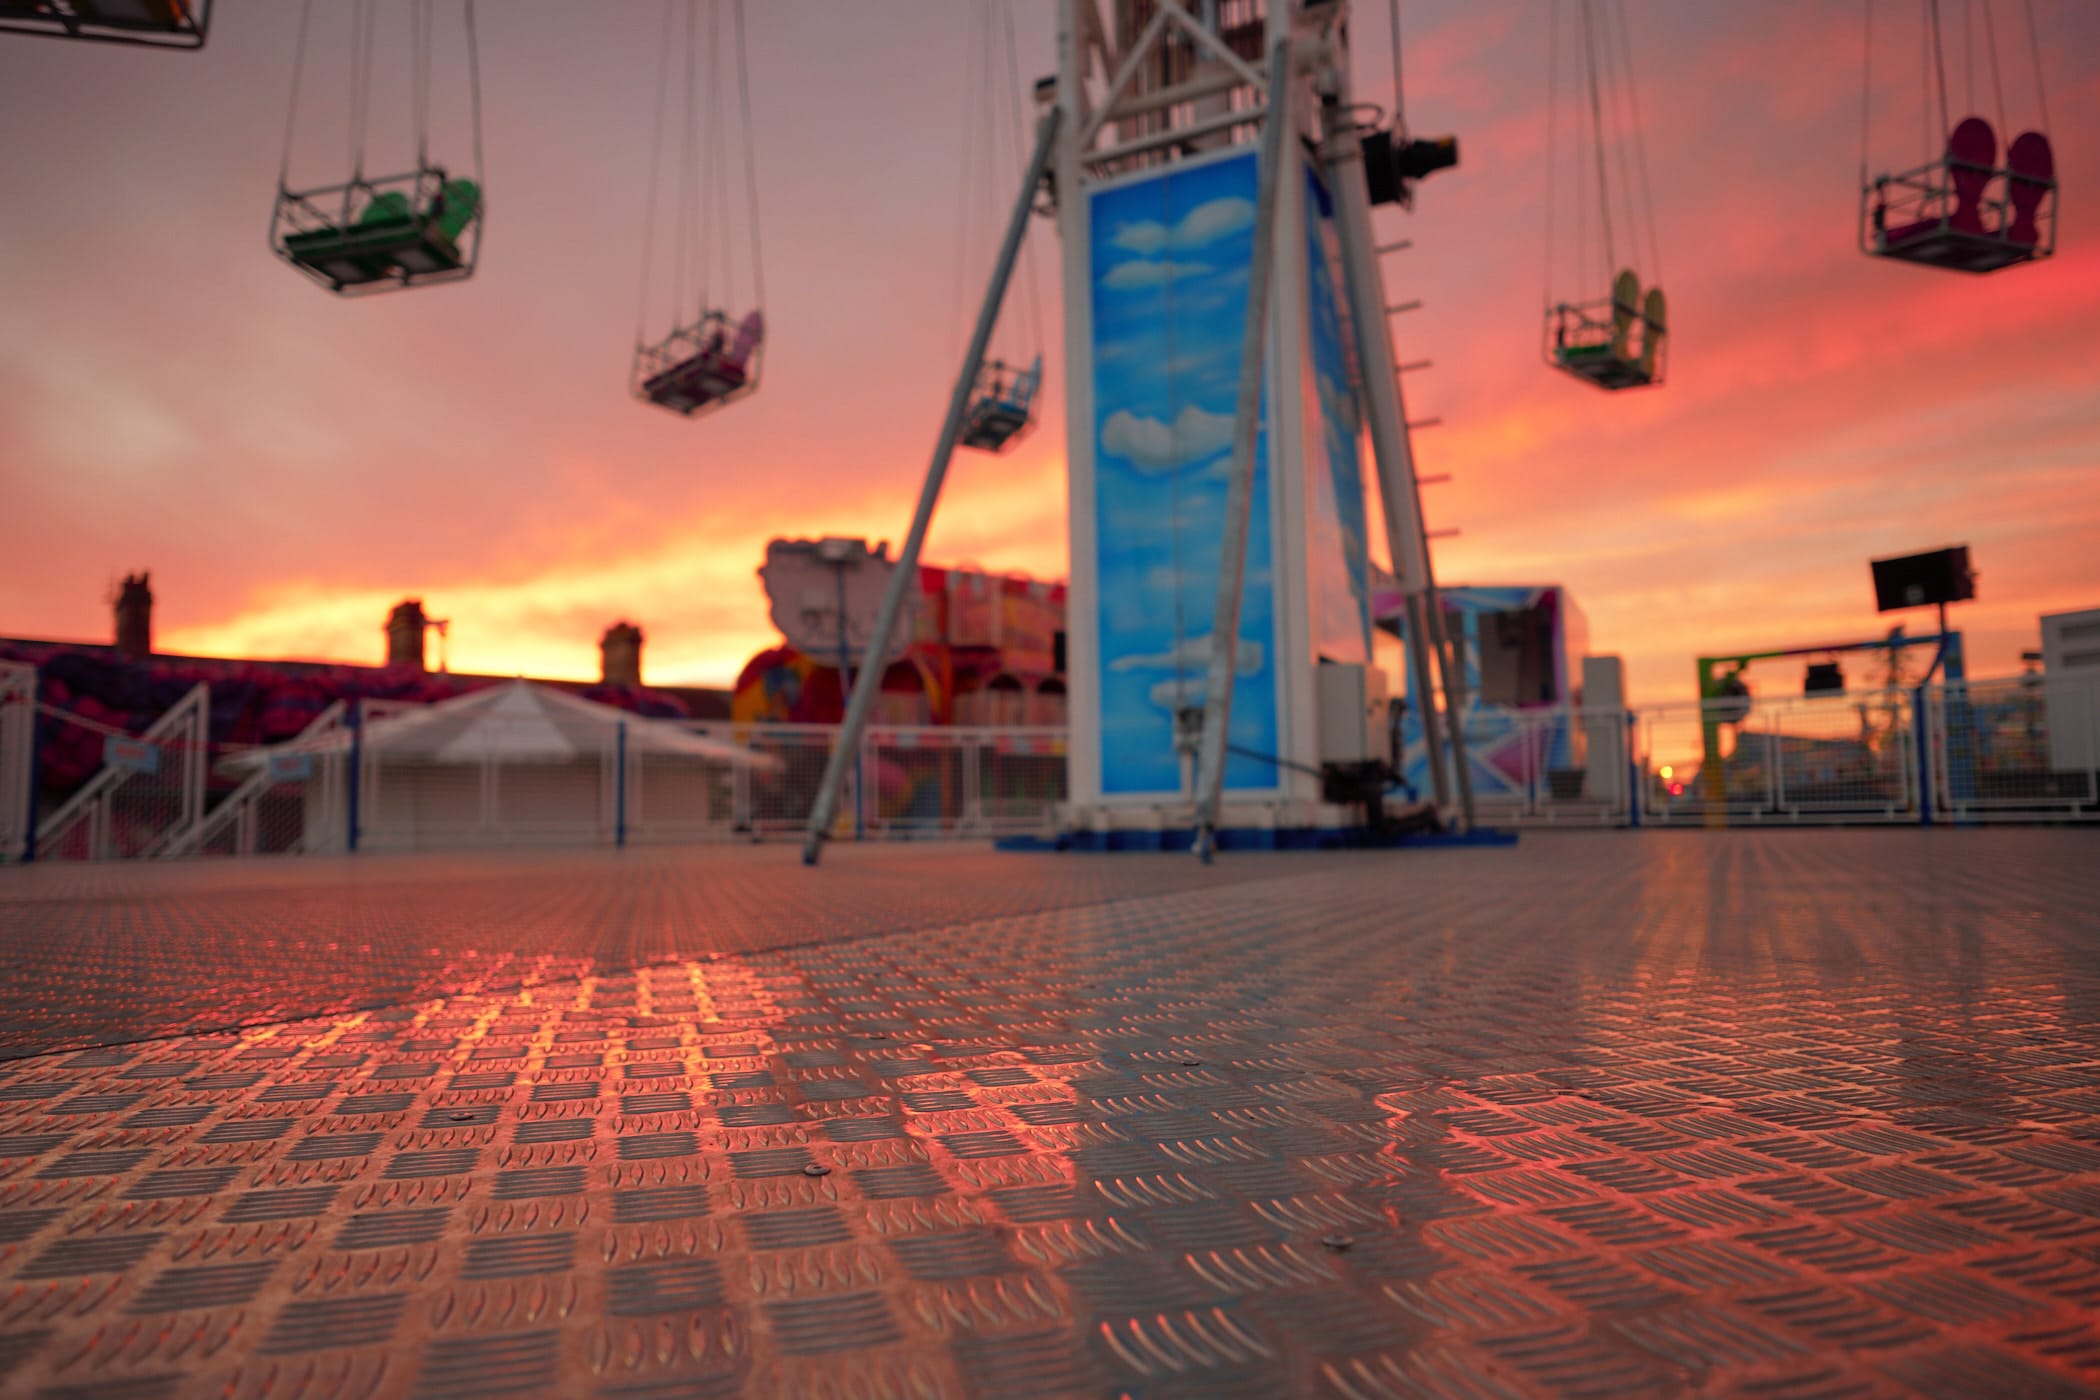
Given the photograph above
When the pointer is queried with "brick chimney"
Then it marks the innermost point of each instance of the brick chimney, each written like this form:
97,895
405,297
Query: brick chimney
620,653
135,618
404,634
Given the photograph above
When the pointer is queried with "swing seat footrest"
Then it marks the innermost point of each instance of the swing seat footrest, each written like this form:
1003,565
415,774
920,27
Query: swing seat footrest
990,427
1605,369
374,252
1938,244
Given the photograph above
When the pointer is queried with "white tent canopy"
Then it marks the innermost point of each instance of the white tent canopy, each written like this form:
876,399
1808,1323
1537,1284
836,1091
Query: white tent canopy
520,721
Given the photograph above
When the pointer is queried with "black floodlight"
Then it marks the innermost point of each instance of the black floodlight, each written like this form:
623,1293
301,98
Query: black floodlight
1922,580
1391,167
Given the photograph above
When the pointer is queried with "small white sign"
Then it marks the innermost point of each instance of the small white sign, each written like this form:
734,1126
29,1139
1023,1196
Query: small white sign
291,767
132,755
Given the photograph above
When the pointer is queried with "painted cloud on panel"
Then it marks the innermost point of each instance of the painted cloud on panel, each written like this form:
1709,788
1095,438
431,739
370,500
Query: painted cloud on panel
1153,447
1206,223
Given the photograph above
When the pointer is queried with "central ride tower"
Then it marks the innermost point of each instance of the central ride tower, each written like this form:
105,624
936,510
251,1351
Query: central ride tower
1157,181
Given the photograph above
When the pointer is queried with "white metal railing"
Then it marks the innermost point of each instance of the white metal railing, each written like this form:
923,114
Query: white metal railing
268,814
910,782
2019,750
131,808
2016,750
1550,766
1841,757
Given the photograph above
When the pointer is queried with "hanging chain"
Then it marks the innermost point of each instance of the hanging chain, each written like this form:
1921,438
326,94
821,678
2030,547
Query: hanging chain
1640,151
474,98
1990,35
709,175
1552,134
1399,91
1589,39
1939,63
363,27
291,114
682,228
743,86
2034,44
1866,94
656,146
419,14
1034,327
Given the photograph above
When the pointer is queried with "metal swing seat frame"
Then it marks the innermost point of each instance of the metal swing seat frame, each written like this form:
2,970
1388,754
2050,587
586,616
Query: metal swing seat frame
380,234
1002,405
1921,205
713,359
158,24
1593,340
705,365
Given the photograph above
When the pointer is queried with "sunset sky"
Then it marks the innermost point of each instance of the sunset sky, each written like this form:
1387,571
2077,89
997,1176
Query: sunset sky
290,464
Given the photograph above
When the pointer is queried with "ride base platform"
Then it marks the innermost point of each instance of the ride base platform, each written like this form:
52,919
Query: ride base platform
1604,1114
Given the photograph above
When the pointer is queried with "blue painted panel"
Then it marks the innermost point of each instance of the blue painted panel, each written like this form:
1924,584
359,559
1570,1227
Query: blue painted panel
1171,254
1339,558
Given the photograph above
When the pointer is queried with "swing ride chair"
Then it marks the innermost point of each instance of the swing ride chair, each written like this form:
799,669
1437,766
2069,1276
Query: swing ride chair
1618,340
702,367
1002,405
161,24
1964,211
1596,341
376,235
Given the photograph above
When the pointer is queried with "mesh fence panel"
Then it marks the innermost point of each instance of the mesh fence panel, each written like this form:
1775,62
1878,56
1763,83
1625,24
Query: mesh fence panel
1678,785
672,796
274,819
567,801
1843,753
147,808
1498,762
2019,748
131,809
409,802
70,840
1578,767
1021,779
915,782
778,798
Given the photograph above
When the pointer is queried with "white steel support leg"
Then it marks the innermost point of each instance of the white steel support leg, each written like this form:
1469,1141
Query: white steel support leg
1239,490
1398,489
1422,679
1453,666
906,574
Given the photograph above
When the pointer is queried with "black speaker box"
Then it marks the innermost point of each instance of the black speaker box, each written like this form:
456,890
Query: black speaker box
1923,580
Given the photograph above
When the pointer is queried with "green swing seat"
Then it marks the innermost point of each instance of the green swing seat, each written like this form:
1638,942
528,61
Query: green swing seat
391,240
1603,352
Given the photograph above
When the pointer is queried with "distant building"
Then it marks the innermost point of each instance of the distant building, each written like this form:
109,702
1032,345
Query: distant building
972,648
620,655
405,627
134,604
126,686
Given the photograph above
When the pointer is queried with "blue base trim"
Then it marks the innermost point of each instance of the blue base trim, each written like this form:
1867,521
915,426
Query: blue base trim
1478,836
1254,838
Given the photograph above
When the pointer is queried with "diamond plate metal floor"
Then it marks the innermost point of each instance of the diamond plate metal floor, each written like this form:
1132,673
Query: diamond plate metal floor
1777,1114
108,954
